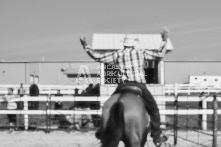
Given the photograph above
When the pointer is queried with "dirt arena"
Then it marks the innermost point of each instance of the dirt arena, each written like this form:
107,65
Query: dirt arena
80,139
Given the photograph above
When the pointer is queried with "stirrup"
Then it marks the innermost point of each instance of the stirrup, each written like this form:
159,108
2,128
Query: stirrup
158,141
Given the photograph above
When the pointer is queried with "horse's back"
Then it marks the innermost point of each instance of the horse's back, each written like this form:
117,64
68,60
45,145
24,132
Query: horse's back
135,115
133,106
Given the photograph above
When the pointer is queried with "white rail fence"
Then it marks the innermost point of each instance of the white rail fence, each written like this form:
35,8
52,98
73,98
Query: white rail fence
189,89
174,90
154,88
44,89
26,112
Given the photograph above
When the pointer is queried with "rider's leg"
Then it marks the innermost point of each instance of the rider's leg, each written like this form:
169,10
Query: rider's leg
153,111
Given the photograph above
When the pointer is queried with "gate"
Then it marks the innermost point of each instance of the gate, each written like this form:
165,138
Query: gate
198,130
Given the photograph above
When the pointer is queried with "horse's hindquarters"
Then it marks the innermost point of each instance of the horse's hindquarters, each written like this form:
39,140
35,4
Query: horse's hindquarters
124,118
135,115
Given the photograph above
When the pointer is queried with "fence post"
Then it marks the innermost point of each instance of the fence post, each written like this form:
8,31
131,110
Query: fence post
175,90
175,114
175,121
215,121
204,116
47,115
26,115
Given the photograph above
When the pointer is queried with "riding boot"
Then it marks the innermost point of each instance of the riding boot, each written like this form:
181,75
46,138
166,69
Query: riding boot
158,141
155,124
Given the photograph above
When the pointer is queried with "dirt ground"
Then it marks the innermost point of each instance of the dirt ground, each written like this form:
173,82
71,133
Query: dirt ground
83,139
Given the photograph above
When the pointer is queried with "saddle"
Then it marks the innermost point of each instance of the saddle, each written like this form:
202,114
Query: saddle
131,89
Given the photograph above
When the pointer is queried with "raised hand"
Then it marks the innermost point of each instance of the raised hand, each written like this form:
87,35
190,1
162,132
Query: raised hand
83,41
165,34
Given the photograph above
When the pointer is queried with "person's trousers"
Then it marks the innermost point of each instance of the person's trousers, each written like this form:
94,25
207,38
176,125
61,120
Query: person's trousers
150,104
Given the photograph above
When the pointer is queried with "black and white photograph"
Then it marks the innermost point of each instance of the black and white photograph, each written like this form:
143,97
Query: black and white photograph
110,73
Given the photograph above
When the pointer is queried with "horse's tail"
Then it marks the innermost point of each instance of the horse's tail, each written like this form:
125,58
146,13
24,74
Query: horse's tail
114,129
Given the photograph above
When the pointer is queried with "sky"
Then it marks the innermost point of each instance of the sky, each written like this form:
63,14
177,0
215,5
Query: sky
50,29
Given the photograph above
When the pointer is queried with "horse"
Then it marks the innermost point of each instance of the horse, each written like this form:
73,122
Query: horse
124,118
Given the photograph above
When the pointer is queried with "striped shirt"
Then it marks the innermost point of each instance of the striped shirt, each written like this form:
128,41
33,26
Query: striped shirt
130,61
